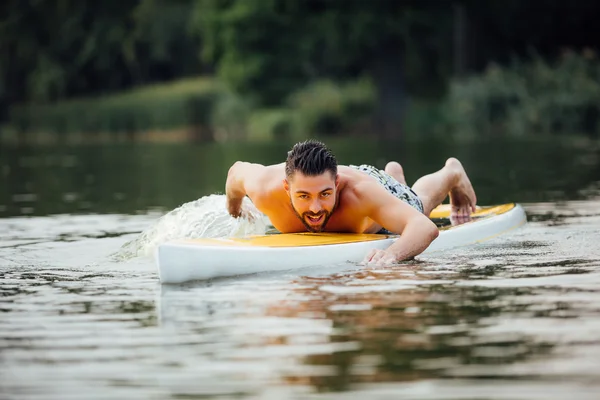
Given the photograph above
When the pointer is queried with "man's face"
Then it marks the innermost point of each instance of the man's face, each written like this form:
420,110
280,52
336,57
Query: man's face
313,198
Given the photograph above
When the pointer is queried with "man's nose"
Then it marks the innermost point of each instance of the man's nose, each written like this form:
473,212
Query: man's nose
315,207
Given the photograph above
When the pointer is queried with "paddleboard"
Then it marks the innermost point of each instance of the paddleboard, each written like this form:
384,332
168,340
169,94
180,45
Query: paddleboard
198,259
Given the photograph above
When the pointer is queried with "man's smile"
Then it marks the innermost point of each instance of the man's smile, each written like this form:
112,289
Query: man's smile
315,219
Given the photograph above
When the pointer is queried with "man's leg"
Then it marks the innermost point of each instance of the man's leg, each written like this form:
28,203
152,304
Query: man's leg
395,171
451,180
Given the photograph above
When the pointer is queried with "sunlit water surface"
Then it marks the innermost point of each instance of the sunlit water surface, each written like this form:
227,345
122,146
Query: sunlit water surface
84,316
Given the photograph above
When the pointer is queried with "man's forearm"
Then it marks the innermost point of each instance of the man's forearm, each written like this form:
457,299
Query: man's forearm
415,238
234,190
234,205
235,195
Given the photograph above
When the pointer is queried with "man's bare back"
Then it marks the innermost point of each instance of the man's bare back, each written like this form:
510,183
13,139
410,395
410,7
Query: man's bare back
355,191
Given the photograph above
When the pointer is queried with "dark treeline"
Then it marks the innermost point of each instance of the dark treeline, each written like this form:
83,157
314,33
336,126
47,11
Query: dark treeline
57,49
265,49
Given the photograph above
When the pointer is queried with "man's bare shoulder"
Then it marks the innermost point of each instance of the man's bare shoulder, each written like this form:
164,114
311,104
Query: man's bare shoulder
255,171
271,175
357,186
263,180
362,188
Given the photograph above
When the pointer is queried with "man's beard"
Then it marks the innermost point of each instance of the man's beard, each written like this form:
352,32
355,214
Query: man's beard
314,229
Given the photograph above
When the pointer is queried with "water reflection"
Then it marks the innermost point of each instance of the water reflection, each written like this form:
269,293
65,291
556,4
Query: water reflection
126,178
407,330
372,326
514,318
498,312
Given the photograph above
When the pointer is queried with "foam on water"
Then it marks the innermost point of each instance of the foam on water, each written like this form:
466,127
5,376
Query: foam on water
206,217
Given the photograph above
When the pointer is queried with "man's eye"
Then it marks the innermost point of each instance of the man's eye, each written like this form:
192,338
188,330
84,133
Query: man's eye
303,196
326,194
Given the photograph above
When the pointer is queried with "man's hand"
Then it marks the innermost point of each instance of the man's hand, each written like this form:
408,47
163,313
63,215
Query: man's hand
416,230
380,258
247,215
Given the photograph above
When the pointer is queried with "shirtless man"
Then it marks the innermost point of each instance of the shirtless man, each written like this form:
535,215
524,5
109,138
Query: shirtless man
310,192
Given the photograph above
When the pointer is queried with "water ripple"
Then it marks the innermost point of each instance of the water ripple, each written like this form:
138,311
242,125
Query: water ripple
515,318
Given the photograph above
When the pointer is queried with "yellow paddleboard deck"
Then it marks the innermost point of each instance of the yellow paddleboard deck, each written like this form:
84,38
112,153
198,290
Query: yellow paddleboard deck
186,260
325,238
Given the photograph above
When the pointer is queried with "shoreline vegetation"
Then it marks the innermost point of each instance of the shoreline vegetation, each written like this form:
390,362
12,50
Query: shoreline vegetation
533,98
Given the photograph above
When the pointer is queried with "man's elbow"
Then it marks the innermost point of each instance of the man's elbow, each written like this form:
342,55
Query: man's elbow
432,231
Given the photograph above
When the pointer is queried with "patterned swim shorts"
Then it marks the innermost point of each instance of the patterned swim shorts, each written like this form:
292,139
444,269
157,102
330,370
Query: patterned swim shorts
403,192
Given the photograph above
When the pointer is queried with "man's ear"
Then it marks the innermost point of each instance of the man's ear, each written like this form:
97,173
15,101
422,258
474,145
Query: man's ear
286,186
337,180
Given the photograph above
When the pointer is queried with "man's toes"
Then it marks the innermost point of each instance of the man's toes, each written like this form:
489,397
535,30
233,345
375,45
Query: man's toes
464,212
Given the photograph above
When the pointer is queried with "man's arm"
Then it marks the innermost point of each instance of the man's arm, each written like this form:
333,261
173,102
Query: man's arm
417,230
242,179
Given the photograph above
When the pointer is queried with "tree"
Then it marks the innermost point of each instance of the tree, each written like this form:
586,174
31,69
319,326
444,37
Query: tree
52,50
268,48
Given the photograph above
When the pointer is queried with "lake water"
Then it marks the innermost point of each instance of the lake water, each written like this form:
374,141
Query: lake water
84,316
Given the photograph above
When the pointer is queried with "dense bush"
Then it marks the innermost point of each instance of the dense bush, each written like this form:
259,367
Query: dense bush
184,104
529,98
322,108
203,105
523,99
327,108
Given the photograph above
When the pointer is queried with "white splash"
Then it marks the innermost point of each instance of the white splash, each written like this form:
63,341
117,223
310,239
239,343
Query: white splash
206,217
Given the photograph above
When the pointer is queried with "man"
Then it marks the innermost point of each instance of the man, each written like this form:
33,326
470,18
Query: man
310,192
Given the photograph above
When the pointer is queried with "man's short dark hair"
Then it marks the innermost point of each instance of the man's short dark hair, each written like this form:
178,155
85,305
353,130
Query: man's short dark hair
311,158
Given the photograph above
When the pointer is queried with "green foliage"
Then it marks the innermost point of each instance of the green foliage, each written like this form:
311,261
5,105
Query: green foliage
533,97
271,48
230,115
186,103
426,118
54,50
323,108
272,124
254,43
284,54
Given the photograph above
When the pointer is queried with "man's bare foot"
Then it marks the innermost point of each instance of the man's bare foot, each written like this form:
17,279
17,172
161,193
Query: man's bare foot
395,170
462,196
